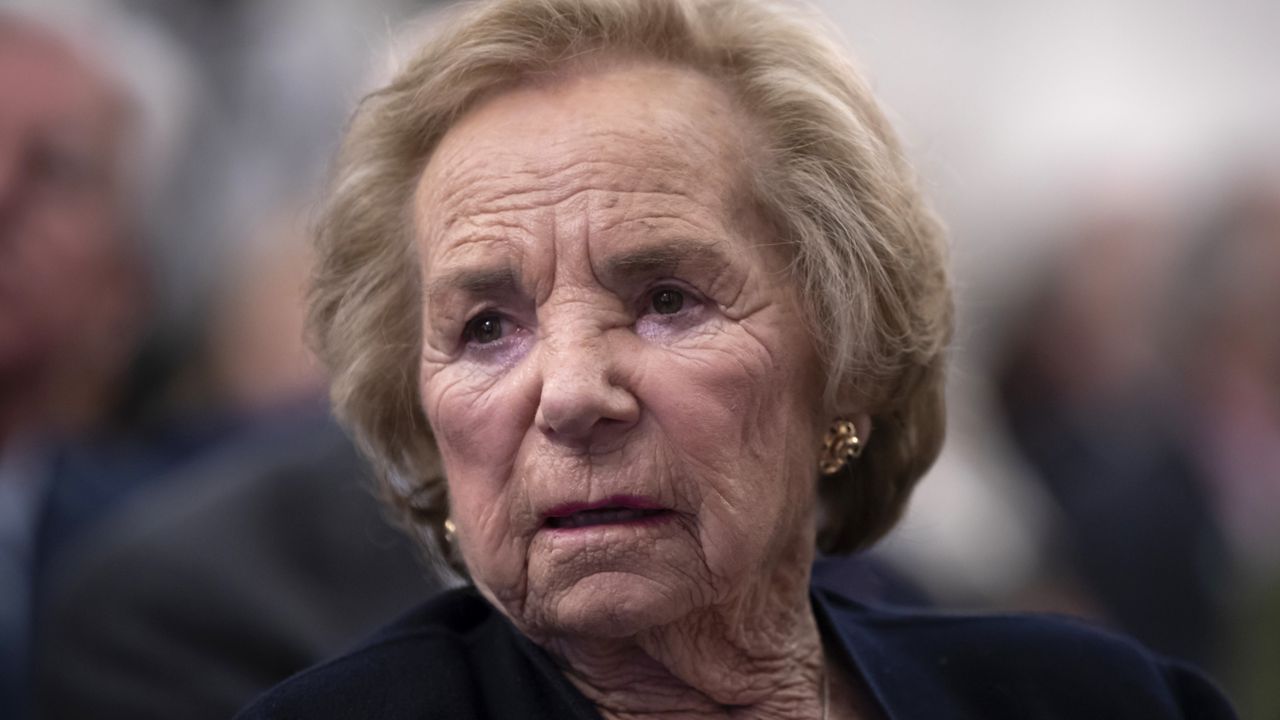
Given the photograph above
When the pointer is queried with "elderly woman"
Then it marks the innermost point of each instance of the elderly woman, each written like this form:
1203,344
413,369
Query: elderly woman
635,304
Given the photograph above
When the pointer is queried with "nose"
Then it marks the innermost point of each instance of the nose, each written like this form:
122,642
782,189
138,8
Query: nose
583,400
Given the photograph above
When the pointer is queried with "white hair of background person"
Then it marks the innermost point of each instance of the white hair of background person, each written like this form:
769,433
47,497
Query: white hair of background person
159,81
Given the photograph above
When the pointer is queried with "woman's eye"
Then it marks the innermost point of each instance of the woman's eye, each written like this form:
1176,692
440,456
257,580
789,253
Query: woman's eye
666,301
483,329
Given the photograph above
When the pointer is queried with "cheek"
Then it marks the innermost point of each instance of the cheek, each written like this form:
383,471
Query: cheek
479,422
738,417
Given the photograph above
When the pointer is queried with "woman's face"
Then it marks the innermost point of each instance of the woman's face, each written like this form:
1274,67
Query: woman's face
614,362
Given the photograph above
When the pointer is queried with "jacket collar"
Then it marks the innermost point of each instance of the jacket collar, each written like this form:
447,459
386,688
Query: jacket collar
902,682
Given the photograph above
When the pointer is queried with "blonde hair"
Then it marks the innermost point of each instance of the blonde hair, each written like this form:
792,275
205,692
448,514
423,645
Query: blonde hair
866,252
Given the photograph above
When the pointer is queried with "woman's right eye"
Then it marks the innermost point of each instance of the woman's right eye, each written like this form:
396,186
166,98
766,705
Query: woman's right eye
484,329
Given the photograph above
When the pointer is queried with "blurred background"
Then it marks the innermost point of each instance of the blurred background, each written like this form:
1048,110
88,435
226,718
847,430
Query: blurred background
180,525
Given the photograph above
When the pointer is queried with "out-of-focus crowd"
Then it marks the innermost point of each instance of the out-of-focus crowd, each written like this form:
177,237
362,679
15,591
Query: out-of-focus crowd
182,525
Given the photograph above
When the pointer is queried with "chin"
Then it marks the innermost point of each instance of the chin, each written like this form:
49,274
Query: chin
616,604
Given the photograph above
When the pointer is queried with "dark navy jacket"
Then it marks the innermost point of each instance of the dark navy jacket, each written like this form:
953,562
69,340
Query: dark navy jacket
457,657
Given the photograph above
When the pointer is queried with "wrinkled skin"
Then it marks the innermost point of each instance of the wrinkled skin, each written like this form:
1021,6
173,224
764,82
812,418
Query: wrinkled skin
557,218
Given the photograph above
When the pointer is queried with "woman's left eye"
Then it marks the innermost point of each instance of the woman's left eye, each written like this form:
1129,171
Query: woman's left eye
484,329
666,301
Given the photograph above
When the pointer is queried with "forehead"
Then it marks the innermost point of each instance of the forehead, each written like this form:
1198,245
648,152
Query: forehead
645,141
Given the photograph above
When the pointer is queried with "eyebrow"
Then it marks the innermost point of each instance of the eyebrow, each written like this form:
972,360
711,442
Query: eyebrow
619,269
661,259
474,282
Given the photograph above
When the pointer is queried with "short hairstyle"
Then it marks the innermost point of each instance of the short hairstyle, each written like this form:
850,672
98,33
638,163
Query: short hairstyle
866,253
140,63
165,104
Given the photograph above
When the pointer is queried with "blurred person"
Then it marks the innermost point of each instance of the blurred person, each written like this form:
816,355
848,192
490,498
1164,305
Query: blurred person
1223,316
1089,398
260,557
70,293
70,279
185,598
629,399
81,149
1223,319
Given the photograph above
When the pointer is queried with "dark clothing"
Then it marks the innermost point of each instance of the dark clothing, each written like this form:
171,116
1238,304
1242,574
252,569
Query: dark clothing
53,492
457,657
201,592
1138,521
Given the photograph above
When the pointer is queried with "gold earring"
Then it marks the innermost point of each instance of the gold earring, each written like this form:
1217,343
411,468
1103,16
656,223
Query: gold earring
841,445
450,530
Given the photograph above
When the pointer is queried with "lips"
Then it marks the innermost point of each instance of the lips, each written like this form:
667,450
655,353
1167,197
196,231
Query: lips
618,510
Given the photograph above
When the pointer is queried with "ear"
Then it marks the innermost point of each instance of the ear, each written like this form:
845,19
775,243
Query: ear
851,406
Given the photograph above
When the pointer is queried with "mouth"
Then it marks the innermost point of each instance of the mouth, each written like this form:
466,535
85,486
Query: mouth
613,511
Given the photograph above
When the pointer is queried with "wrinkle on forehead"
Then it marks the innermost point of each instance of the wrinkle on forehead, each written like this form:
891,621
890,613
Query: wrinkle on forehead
479,191
689,124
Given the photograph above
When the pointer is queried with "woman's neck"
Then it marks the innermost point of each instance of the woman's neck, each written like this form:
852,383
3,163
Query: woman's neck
757,655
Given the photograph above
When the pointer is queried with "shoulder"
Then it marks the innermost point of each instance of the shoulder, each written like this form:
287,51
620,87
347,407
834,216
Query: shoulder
272,541
1017,665
422,665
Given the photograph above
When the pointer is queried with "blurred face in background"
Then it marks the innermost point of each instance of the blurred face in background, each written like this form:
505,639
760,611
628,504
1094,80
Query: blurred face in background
68,289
